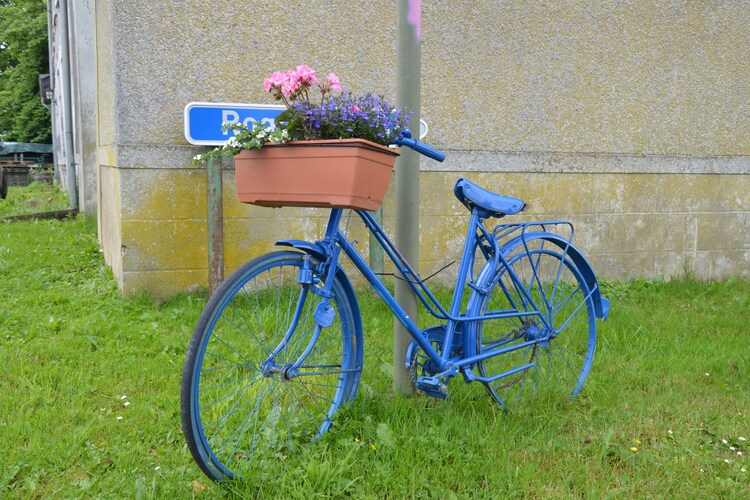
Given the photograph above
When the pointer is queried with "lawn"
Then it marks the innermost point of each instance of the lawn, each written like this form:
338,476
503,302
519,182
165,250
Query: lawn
89,405
37,197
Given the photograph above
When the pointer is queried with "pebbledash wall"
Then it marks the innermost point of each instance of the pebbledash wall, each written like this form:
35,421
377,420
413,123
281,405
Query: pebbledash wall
632,119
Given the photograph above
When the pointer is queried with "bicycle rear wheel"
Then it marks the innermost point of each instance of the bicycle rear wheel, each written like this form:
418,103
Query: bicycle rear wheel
239,415
549,360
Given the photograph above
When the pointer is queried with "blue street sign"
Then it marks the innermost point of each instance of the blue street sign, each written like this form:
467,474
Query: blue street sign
203,120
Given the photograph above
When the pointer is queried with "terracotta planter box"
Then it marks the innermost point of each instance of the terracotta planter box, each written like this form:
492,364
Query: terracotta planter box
346,173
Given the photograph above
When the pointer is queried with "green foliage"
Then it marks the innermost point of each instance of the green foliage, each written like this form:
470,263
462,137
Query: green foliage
245,137
23,57
90,399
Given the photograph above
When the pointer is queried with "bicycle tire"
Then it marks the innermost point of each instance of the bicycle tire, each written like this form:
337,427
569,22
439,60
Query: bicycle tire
561,363
237,418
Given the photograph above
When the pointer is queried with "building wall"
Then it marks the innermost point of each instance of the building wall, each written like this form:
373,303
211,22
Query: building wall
629,118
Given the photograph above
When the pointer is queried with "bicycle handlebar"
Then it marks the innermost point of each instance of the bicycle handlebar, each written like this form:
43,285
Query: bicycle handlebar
419,147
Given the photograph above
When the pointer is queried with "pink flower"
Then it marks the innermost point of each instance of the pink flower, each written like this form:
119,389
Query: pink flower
355,108
334,81
275,81
290,83
278,78
305,75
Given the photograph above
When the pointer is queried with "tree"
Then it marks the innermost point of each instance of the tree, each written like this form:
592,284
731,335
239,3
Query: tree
23,56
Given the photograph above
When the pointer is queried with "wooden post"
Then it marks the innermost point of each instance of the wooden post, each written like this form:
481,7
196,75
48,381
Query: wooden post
215,222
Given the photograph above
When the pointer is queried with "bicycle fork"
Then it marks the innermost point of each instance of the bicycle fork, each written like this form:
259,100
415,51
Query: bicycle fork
323,316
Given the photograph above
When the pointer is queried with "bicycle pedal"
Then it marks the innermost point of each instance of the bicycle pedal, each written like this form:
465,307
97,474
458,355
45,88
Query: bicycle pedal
432,386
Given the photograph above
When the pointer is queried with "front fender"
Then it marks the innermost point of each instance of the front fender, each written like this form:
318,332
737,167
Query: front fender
308,247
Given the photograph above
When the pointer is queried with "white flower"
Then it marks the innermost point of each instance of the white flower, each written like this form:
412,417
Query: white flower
123,396
119,417
724,441
743,470
742,438
197,157
669,431
726,460
127,403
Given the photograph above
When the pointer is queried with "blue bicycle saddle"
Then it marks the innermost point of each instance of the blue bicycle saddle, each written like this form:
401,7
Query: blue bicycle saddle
491,204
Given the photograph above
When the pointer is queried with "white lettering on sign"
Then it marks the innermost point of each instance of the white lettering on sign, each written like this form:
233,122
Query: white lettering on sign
228,116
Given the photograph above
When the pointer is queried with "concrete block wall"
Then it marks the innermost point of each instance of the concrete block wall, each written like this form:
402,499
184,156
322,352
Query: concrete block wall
629,118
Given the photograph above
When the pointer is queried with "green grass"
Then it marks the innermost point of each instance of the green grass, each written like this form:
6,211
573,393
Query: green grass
37,197
89,405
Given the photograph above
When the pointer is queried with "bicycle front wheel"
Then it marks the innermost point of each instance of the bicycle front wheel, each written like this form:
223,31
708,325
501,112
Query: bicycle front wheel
241,413
550,350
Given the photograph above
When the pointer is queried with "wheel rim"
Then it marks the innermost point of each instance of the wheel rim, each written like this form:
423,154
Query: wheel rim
564,337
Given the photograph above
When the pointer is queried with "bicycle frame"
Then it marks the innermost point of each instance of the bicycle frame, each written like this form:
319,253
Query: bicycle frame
477,236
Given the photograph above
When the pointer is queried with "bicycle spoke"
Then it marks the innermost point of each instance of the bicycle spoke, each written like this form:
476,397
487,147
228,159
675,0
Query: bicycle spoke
565,331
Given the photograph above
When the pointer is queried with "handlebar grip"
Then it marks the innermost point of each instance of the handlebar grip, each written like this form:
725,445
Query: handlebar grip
421,148
428,151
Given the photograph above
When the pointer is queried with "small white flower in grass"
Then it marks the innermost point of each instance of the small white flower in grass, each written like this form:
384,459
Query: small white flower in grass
127,403
742,438
119,417
706,374
724,441
669,431
123,396
157,468
732,448
743,470
726,460
739,453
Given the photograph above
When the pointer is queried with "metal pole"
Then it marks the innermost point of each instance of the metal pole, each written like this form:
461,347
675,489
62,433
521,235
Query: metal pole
53,108
68,105
407,179
215,222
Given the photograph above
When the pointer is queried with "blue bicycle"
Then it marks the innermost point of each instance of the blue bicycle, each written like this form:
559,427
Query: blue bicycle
279,346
